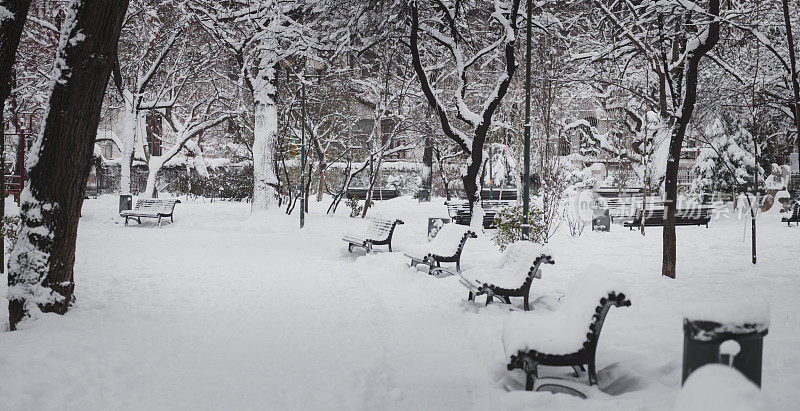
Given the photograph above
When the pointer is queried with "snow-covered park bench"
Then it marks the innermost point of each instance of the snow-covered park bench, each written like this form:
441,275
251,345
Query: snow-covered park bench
377,193
151,208
567,337
446,247
377,232
795,217
460,213
511,276
683,216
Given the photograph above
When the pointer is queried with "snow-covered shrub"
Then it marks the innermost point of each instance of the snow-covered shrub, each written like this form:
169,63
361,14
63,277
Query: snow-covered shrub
234,184
509,225
9,228
355,208
575,223
725,163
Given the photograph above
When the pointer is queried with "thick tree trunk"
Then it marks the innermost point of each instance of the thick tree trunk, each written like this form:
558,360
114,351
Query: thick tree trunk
793,64
41,268
265,178
10,32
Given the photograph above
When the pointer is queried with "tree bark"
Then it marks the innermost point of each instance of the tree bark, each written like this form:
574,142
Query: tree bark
41,267
793,65
427,165
265,133
10,32
676,141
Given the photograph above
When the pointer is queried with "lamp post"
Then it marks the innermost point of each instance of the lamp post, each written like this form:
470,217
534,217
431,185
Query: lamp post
491,175
303,155
527,141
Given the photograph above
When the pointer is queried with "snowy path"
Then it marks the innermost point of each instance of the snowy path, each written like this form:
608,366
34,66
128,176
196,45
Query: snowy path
226,311
237,315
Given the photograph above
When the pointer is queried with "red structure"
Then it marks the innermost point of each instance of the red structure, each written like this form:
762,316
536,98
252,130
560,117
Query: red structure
15,183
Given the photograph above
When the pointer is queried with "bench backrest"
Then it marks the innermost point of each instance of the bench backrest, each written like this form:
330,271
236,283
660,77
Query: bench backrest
613,299
524,258
450,240
381,229
156,205
658,213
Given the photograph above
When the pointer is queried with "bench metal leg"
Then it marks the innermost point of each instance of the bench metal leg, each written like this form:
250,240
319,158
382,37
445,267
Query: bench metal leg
576,370
350,247
525,302
531,373
471,296
592,373
126,220
159,221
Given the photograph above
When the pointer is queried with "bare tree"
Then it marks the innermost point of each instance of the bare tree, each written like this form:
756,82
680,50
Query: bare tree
490,43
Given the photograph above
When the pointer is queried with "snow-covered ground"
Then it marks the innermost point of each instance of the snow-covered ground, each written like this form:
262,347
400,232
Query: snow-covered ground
226,310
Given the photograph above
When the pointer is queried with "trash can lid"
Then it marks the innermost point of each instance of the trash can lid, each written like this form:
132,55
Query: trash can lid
720,318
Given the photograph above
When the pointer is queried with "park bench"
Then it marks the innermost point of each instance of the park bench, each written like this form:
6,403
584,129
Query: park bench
377,232
377,193
683,216
565,338
460,213
446,247
151,208
511,276
795,217
499,193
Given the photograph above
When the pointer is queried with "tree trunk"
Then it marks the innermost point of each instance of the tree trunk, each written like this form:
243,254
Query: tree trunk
676,141
41,269
472,188
670,202
427,165
127,150
793,64
10,32
265,133
321,186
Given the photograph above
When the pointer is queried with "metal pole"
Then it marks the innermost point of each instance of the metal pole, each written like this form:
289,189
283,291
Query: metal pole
3,202
527,150
303,156
491,175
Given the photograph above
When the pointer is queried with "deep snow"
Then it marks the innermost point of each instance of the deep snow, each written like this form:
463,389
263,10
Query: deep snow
228,310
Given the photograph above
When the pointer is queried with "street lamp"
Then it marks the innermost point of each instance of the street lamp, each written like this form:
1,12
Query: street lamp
527,150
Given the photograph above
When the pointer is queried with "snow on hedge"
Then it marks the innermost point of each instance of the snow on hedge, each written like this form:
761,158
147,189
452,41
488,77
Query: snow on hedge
564,330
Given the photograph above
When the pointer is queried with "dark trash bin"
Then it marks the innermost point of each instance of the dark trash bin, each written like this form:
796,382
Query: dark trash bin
424,195
125,202
702,340
601,221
